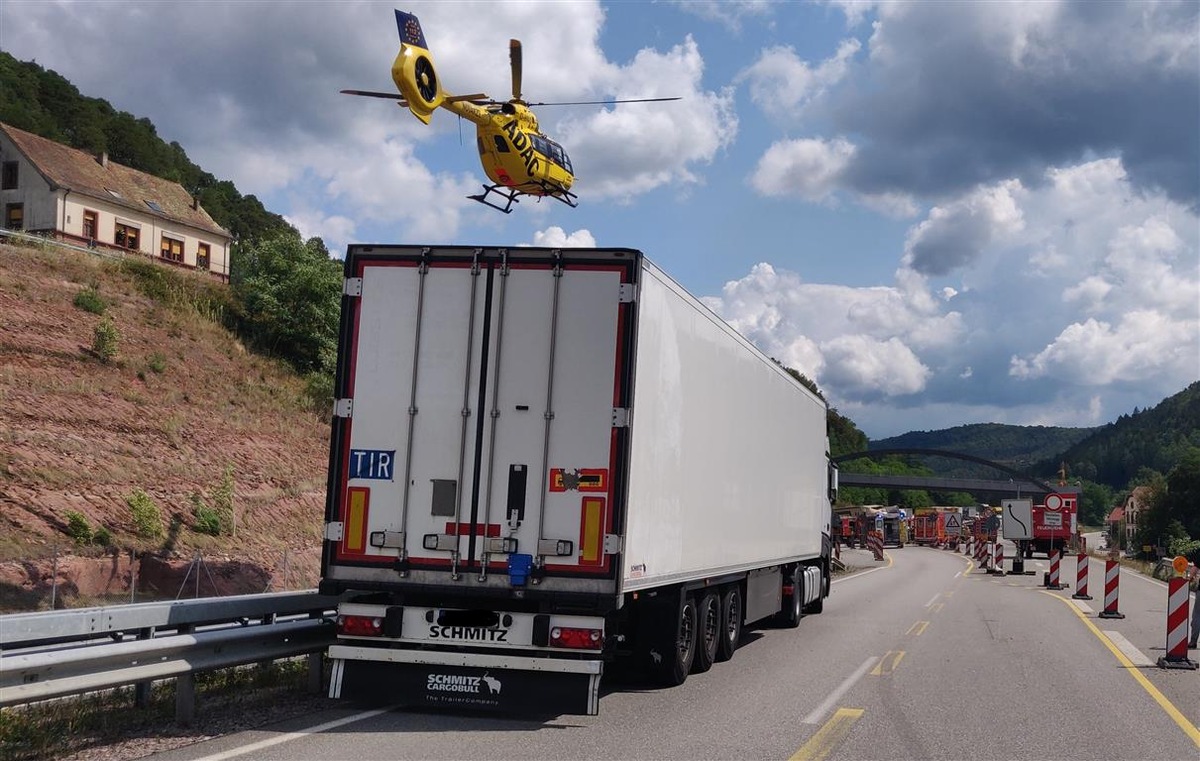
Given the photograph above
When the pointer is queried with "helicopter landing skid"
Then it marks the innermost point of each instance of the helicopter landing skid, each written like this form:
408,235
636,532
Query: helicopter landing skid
510,196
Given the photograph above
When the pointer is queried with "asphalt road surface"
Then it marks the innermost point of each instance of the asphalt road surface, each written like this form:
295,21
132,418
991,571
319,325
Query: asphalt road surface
920,656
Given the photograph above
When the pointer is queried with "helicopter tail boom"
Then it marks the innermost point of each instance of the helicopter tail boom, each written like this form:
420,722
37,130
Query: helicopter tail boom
413,70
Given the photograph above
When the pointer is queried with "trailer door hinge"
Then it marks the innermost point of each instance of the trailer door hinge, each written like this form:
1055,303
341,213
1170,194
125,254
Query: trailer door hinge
352,286
343,407
333,531
628,293
612,544
620,417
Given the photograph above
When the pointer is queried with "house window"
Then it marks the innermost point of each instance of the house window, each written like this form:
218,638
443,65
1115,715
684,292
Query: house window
9,181
202,256
89,224
172,250
127,236
14,216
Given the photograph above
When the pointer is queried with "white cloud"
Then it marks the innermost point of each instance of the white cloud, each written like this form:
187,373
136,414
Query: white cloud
782,84
555,237
629,149
729,12
953,235
808,168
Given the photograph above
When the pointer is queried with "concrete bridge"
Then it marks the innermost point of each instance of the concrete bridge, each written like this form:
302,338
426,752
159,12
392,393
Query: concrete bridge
1016,485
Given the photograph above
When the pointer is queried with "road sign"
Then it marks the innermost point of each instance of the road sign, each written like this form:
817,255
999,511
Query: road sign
953,524
1018,519
1054,502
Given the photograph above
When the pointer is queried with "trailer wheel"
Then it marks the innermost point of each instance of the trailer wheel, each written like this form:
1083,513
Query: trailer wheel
673,639
789,617
708,633
731,622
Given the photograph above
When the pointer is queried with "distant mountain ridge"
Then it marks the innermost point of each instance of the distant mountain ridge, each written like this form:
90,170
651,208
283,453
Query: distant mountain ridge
1018,446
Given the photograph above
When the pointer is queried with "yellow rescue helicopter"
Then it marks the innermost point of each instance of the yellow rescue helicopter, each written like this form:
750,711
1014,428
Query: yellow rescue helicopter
517,157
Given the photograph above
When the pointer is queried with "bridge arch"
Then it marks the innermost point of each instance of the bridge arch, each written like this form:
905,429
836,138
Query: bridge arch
943,453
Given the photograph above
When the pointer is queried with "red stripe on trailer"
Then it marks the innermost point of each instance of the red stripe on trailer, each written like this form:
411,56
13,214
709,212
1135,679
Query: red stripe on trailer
1177,626
1081,577
1112,584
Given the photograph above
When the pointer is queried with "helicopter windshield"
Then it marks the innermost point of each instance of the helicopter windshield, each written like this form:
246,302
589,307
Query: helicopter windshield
553,151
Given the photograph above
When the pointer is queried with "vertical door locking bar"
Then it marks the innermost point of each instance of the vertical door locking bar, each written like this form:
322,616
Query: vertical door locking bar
549,414
466,414
495,414
422,271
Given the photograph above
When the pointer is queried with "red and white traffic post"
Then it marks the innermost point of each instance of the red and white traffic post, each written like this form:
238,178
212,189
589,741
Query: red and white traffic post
1052,577
997,558
1112,584
1178,595
1081,577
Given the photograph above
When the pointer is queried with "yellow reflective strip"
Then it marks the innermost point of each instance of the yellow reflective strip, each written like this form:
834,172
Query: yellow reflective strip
593,537
356,516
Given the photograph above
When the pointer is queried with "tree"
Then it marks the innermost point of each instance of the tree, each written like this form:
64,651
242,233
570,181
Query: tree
291,295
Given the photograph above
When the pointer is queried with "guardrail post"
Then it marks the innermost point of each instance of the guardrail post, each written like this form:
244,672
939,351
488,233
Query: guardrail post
316,673
185,691
141,690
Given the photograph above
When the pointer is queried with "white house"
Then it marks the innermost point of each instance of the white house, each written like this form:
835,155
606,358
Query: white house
48,187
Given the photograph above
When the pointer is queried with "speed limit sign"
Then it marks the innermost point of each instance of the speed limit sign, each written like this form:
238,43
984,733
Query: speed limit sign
1054,502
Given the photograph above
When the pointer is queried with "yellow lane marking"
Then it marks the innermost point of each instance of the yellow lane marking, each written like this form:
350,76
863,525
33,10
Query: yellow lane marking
829,736
918,628
948,594
936,607
1176,715
887,666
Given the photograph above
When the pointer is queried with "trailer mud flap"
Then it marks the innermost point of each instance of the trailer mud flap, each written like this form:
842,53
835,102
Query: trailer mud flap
441,686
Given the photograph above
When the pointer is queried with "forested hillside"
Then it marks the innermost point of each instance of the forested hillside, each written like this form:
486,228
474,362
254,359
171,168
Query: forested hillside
1013,445
44,103
1156,438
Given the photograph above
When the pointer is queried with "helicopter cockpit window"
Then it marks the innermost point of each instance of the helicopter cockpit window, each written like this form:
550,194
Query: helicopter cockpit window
552,151
501,143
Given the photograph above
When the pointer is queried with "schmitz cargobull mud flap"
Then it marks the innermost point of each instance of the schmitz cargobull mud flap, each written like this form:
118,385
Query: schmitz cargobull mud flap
444,680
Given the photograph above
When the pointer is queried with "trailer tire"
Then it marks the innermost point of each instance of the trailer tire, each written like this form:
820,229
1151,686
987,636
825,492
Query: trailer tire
708,632
789,617
673,639
731,622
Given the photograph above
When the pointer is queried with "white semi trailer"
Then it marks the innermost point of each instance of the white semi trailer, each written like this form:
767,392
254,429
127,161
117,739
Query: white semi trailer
546,460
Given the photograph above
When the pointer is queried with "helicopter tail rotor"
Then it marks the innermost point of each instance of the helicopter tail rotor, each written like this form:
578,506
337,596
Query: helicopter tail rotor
514,59
413,70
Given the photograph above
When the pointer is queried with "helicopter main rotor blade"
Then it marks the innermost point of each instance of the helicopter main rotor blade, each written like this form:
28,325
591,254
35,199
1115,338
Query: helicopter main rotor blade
604,102
479,97
514,59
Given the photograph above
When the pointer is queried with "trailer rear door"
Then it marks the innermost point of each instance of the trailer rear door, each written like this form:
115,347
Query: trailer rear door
485,431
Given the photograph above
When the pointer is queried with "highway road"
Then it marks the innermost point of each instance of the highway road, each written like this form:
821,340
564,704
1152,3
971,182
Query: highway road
920,656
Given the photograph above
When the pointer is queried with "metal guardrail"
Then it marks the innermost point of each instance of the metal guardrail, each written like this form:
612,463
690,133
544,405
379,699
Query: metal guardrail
35,664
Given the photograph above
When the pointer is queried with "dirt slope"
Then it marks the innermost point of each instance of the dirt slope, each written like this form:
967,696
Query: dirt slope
180,403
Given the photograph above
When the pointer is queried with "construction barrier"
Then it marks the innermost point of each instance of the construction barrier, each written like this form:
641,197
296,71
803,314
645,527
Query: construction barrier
1177,626
997,559
1081,577
970,550
875,544
1112,583
1052,577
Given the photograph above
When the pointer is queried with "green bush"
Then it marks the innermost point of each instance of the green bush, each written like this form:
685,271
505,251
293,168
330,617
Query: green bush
78,527
207,520
222,496
157,362
90,300
106,339
102,537
147,519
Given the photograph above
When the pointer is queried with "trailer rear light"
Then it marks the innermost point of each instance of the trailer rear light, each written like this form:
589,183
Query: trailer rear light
360,626
575,638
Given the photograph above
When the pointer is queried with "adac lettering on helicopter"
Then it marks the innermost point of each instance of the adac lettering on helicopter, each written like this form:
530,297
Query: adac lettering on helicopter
523,146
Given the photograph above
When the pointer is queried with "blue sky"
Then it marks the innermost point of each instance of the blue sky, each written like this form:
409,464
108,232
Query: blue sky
943,212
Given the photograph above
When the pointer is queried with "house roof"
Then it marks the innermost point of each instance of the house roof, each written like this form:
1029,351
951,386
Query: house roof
1117,515
81,172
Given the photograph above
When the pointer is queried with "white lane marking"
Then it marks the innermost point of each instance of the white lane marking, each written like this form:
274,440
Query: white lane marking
1135,656
933,599
818,714
960,573
288,737
1083,606
859,574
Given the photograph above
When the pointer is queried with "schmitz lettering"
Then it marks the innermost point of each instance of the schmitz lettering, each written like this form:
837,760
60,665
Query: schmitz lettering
473,685
468,633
